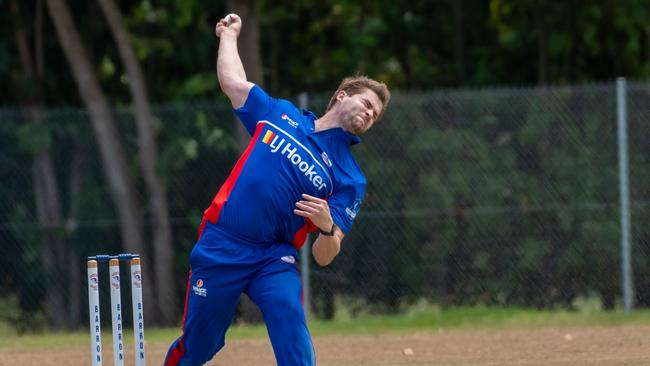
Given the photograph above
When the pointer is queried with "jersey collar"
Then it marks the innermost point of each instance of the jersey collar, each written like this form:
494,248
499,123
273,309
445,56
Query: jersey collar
346,136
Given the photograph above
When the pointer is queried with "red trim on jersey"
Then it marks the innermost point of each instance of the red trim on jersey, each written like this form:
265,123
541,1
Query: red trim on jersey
175,355
212,213
300,236
187,297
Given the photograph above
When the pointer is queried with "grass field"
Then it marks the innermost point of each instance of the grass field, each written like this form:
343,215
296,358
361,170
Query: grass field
462,336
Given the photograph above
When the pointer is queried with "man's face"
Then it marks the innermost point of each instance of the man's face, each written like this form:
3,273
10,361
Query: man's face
358,112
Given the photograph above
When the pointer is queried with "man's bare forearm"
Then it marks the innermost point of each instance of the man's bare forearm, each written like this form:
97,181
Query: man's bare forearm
230,69
317,211
326,248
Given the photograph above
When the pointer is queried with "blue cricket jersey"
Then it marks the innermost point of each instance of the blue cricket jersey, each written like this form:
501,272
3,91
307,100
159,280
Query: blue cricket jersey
285,159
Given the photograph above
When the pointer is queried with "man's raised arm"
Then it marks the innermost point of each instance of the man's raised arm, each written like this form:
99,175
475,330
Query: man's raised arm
230,71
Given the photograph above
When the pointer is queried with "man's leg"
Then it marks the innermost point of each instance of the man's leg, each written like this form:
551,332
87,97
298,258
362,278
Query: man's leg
277,290
215,283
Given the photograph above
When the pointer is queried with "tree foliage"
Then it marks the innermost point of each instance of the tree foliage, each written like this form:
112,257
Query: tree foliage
496,193
308,44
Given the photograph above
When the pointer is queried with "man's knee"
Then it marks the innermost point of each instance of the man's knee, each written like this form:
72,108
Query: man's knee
283,306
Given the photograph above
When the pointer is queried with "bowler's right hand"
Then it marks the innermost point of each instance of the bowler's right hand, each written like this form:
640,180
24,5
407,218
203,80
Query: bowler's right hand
229,25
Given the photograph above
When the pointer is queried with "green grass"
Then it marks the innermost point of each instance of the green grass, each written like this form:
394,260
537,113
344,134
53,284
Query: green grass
420,318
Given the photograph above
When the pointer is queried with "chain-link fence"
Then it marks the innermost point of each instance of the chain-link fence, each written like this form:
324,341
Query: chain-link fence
506,197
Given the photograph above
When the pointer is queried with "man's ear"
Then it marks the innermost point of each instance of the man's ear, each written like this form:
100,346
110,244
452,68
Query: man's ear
340,95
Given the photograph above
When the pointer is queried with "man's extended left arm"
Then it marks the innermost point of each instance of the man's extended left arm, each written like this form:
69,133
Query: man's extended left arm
325,247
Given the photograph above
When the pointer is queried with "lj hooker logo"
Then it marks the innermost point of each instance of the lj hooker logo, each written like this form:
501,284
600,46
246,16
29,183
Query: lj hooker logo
289,151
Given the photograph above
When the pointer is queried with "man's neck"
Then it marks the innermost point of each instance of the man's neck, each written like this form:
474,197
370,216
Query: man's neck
327,121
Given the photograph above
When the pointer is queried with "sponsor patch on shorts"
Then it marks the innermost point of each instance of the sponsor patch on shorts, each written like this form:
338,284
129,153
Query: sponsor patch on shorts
289,259
198,288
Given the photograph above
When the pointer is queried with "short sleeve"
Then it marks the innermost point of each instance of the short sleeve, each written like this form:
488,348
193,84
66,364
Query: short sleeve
257,106
345,204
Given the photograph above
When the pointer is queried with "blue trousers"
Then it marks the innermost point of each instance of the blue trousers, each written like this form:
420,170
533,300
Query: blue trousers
222,267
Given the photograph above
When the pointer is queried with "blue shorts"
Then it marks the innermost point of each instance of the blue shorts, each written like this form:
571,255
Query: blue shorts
223,267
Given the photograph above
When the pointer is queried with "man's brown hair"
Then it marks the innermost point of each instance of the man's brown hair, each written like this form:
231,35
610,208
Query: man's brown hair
358,84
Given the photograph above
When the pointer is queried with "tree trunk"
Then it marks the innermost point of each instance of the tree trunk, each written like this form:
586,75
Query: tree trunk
114,162
75,281
542,58
646,46
459,49
46,191
249,52
163,253
48,212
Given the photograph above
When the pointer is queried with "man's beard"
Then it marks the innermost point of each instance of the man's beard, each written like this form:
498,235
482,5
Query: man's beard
351,123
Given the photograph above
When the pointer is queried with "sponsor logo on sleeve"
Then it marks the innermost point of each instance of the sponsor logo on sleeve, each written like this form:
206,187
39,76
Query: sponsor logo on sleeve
326,159
354,210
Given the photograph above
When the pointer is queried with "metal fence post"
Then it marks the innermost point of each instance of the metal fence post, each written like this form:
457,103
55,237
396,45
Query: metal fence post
303,102
624,185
